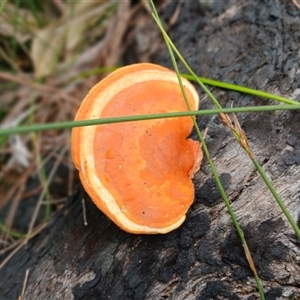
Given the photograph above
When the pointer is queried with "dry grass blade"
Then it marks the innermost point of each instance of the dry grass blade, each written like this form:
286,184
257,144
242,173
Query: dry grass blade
24,284
13,209
112,41
11,16
176,13
20,244
296,3
235,127
46,185
63,36
36,86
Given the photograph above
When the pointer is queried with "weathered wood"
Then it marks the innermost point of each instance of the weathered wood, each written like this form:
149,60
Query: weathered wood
252,43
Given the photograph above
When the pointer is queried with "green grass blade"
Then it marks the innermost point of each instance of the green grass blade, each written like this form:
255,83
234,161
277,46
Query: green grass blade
32,4
205,89
277,197
248,151
2,4
42,171
71,124
12,232
212,166
241,89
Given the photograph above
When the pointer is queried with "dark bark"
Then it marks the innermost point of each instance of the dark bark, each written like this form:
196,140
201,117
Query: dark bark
251,43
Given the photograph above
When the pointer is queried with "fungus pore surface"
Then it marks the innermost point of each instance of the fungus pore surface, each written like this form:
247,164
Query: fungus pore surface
138,173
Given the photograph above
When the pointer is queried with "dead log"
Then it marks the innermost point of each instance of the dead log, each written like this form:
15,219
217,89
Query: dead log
251,43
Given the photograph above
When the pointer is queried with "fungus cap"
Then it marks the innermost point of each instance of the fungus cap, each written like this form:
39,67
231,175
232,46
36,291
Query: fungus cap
138,173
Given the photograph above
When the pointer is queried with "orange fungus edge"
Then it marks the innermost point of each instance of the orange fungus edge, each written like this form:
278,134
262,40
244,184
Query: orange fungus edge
104,186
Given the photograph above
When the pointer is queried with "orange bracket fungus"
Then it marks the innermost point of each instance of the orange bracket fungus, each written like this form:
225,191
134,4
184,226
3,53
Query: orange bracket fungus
138,173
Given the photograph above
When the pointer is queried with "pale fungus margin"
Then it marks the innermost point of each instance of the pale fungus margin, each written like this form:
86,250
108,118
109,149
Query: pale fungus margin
138,173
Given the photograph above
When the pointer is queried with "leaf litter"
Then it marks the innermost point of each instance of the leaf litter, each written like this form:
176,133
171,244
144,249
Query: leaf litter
40,83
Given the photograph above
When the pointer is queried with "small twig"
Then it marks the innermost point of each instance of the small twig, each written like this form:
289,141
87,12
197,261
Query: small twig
12,254
40,200
24,285
296,3
10,246
3,243
22,243
13,209
176,13
84,212
15,193
36,86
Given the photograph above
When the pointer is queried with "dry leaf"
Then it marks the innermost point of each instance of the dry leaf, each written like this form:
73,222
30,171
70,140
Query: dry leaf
64,35
78,17
46,48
